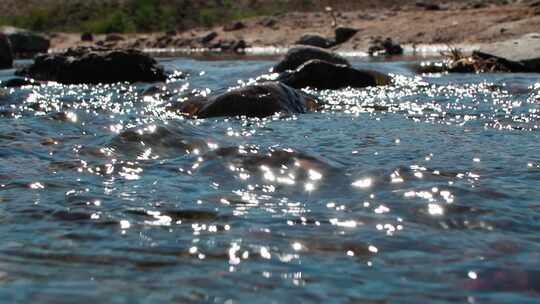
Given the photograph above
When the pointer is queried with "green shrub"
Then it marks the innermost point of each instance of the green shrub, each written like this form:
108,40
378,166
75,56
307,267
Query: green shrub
39,19
116,22
139,15
209,16
145,14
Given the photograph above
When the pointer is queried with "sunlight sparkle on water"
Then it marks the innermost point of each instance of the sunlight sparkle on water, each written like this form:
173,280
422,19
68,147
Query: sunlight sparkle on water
363,183
428,170
435,209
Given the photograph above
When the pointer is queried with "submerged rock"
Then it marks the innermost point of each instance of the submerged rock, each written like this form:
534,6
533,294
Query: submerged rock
297,56
94,65
315,40
24,42
344,34
324,75
18,82
6,54
388,47
258,100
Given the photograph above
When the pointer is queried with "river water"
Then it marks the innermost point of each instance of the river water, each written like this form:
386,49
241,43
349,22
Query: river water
424,191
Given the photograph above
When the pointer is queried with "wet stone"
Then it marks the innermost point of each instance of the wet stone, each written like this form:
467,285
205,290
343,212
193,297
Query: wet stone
315,40
299,55
18,82
260,100
343,34
95,65
323,75
6,52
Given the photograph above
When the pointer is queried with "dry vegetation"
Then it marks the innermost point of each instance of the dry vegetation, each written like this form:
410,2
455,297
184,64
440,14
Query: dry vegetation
102,16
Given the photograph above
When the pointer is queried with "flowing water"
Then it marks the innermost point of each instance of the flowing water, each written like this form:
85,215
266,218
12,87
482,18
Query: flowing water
427,190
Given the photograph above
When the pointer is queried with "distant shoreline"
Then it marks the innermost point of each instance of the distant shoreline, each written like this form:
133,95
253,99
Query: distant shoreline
452,25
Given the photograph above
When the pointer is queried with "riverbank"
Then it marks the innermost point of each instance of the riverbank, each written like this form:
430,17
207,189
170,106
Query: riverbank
413,25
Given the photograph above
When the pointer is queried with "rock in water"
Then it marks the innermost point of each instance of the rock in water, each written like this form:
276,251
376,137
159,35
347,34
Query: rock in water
258,100
94,65
517,55
6,55
386,47
24,42
297,56
343,34
315,40
328,76
18,82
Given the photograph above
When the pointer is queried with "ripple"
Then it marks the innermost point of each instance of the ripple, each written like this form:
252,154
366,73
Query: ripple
103,188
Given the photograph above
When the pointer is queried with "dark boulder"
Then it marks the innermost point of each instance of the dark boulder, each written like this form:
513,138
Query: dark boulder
18,82
516,55
94,65
6,54
87,36
493,63
297,56
315,40
428,6
258,100
343,34
235,26
207,37
480,62
26,43
519,55
328,76
239,45
388,47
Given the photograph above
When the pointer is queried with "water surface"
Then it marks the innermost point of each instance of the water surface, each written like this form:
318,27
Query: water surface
427,190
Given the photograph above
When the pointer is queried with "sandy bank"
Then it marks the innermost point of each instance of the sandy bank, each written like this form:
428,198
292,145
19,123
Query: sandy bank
413,26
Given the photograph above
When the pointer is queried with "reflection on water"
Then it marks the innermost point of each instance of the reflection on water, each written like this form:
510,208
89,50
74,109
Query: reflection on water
422,191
